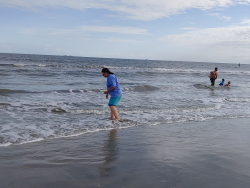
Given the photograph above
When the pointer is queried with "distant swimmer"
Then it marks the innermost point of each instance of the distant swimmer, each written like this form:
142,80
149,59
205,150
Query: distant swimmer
222,82
213,76
114,90
228,84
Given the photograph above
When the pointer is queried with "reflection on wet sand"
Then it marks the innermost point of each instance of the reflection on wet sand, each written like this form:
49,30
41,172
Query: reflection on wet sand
110,152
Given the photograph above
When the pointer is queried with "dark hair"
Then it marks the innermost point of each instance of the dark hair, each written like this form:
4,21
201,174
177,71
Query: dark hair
216,68
223,79
104,70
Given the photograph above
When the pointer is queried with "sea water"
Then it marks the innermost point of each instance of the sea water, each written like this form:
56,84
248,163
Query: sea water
48,97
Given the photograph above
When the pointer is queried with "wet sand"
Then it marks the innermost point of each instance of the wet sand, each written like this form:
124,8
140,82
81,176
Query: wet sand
212,153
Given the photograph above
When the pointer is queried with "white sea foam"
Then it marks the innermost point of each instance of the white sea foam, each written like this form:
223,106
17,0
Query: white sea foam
20,65
240,99
5,144
74,132
138,111
31,141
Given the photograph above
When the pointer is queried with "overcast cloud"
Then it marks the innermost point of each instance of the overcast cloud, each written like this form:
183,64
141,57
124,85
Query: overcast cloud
233,36
134,9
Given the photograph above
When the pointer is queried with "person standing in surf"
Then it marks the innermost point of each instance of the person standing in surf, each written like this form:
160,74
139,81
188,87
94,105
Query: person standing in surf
114,90
213,76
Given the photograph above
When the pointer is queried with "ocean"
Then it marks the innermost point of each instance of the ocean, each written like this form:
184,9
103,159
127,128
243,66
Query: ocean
48,97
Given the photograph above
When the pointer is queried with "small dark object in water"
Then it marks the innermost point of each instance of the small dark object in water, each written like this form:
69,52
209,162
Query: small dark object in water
58,110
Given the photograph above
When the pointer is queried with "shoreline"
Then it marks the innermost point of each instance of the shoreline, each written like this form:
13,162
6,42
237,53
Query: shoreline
187,154
108,129
104,131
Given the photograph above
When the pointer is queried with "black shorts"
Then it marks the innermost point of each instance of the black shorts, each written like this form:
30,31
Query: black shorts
212,80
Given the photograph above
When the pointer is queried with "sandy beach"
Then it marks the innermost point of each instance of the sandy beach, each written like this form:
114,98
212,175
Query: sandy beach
212,153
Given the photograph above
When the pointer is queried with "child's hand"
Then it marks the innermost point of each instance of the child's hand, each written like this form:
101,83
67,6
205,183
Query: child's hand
107,96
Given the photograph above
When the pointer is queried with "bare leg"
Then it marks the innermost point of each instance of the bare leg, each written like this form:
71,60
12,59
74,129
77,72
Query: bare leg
114,113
